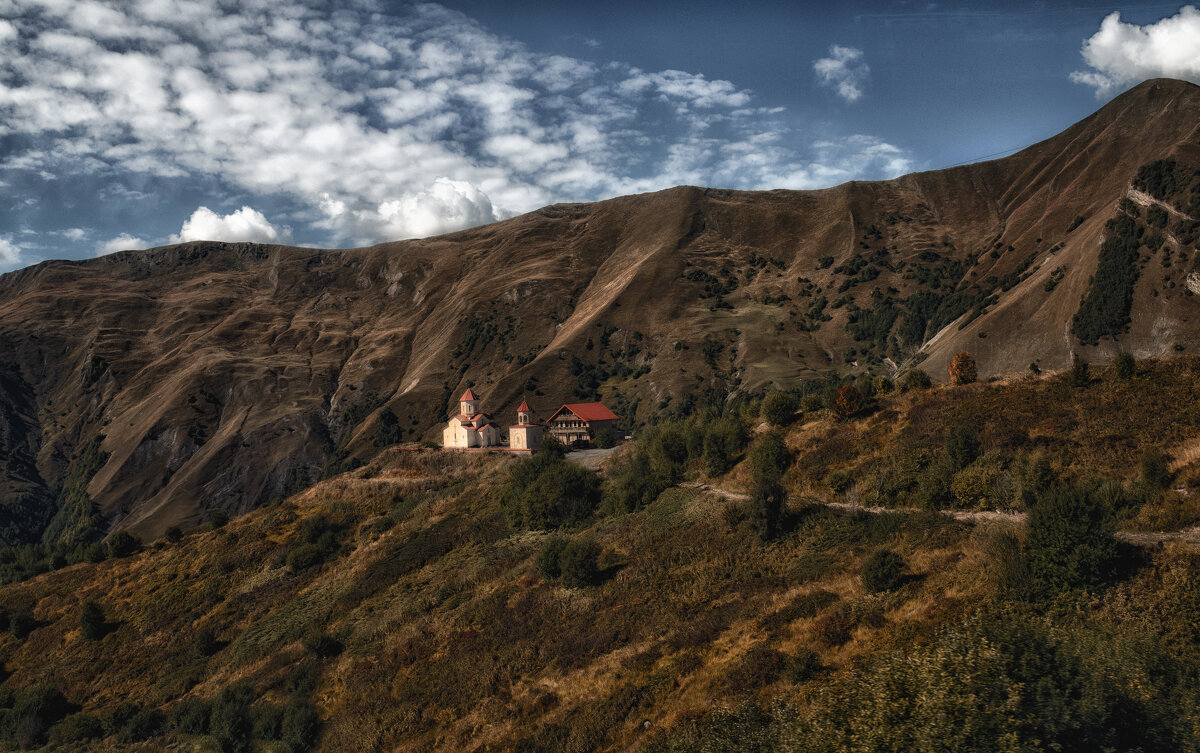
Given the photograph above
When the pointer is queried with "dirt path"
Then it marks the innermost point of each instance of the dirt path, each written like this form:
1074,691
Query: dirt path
591,458
1188,536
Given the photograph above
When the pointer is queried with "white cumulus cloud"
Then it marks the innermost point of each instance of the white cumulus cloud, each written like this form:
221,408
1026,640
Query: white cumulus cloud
123,242
244,225
843,71
381,121
10,253
1120,54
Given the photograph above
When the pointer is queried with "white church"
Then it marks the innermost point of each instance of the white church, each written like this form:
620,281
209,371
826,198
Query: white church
472,428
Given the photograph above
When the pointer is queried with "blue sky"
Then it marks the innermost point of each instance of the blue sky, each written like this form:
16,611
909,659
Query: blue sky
133,123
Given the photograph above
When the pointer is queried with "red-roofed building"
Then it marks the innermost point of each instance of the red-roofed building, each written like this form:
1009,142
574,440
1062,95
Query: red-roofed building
577,423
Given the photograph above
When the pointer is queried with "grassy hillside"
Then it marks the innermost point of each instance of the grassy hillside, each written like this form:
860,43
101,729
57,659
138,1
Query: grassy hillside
397,607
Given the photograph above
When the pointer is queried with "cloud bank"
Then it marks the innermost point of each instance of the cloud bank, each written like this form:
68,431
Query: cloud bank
843,71
1120,54
370,122
122,242
244,225
10,253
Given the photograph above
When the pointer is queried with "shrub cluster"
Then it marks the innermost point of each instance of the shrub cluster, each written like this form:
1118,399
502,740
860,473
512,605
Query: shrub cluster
319,539
545,491
573,560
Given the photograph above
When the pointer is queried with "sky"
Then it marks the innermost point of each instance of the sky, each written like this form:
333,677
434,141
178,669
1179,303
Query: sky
137,123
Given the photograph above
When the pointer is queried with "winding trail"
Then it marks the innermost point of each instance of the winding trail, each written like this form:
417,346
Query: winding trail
1188,537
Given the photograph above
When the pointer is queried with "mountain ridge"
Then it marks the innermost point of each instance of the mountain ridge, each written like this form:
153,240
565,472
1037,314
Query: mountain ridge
221,375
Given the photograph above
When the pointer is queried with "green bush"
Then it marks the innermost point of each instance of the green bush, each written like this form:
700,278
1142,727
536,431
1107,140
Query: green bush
173,534
229,718
723,440
962,446
769,457
387,430
766,508
547,562
1069,541
778,408
545,491
578,563
632,485
191,716
34,711
298,729
915,379
1080,374
883,571
21,624
604,438
304,556
76,728
1156,468
267,721
123,544
115,718
91,621
1125,365
143,725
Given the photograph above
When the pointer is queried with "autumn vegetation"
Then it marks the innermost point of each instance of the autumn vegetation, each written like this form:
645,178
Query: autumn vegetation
441,601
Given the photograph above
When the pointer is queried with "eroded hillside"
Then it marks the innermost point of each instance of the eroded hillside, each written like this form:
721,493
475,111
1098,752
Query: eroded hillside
160,385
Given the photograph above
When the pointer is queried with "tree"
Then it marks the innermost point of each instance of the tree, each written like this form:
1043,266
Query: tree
91,621
962,368
298,729
387,430
883,571
1080,374
1156,469
173,534
1069,541
633,485
768,457
548,562
545,491
847,401
1125,365
33,713
778,408
723,439
962,446
604,438
578,563
915,379
123,544
766,508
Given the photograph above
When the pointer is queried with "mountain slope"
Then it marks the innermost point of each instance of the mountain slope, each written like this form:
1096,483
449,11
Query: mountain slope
161,384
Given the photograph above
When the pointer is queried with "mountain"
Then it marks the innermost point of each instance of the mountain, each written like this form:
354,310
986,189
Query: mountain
146,389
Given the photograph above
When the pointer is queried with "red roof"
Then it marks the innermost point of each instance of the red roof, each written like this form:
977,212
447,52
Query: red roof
524,406
475,421
468,395
588,412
